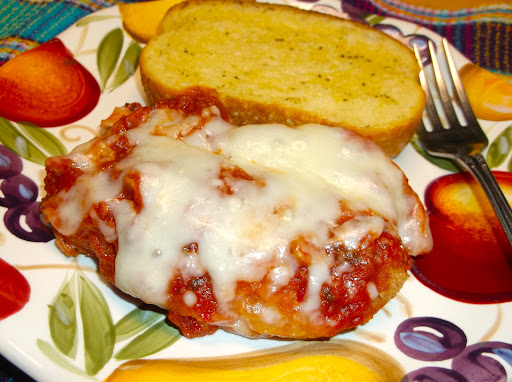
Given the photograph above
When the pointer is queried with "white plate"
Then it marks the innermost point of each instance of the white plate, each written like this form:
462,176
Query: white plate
46,269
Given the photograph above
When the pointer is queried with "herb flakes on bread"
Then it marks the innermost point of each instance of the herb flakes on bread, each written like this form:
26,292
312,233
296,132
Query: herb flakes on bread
279,64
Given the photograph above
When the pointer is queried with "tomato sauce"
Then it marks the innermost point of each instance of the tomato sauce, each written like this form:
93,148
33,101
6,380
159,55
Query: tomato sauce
193,321
132,190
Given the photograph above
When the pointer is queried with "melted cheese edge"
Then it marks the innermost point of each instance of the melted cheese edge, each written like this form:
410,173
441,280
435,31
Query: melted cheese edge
244,235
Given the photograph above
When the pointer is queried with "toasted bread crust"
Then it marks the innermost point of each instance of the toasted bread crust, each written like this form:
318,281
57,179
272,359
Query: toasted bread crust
343,73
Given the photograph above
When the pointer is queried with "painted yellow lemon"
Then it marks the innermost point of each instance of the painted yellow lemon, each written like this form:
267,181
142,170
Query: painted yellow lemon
490,94
313,368
334,360
142,20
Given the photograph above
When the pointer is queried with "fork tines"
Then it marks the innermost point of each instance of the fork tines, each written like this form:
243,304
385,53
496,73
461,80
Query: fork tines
462,142
440,113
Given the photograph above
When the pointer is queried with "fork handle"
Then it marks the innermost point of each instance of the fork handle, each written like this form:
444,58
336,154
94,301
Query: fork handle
477,166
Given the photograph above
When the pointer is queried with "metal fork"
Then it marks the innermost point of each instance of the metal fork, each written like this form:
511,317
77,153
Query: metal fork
462,141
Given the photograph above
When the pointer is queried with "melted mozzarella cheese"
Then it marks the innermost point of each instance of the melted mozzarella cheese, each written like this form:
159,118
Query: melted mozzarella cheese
354,231
239,236
300,176
359,171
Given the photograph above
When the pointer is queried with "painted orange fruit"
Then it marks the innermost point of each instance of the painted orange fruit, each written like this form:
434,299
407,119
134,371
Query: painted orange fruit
46,87
490,94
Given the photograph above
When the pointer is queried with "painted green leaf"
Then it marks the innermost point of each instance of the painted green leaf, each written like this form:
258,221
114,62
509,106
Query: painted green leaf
12,138
62,320
374,19
445,164
500,148
98,328
53,355
128,65
91,19
159,336
108,54
46,140
135,322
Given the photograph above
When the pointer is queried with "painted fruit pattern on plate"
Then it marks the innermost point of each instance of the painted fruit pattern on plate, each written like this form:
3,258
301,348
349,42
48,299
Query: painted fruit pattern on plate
41,108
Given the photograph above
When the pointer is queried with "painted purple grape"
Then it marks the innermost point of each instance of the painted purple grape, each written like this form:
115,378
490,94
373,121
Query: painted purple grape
442,340
37,231
353,13
10,163
476,362
18,189
505,354
18,193
434,374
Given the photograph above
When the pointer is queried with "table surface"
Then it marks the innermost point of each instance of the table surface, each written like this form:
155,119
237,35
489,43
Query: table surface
480,29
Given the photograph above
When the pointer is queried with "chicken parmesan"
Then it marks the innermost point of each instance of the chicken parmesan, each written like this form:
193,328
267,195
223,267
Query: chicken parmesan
261,230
